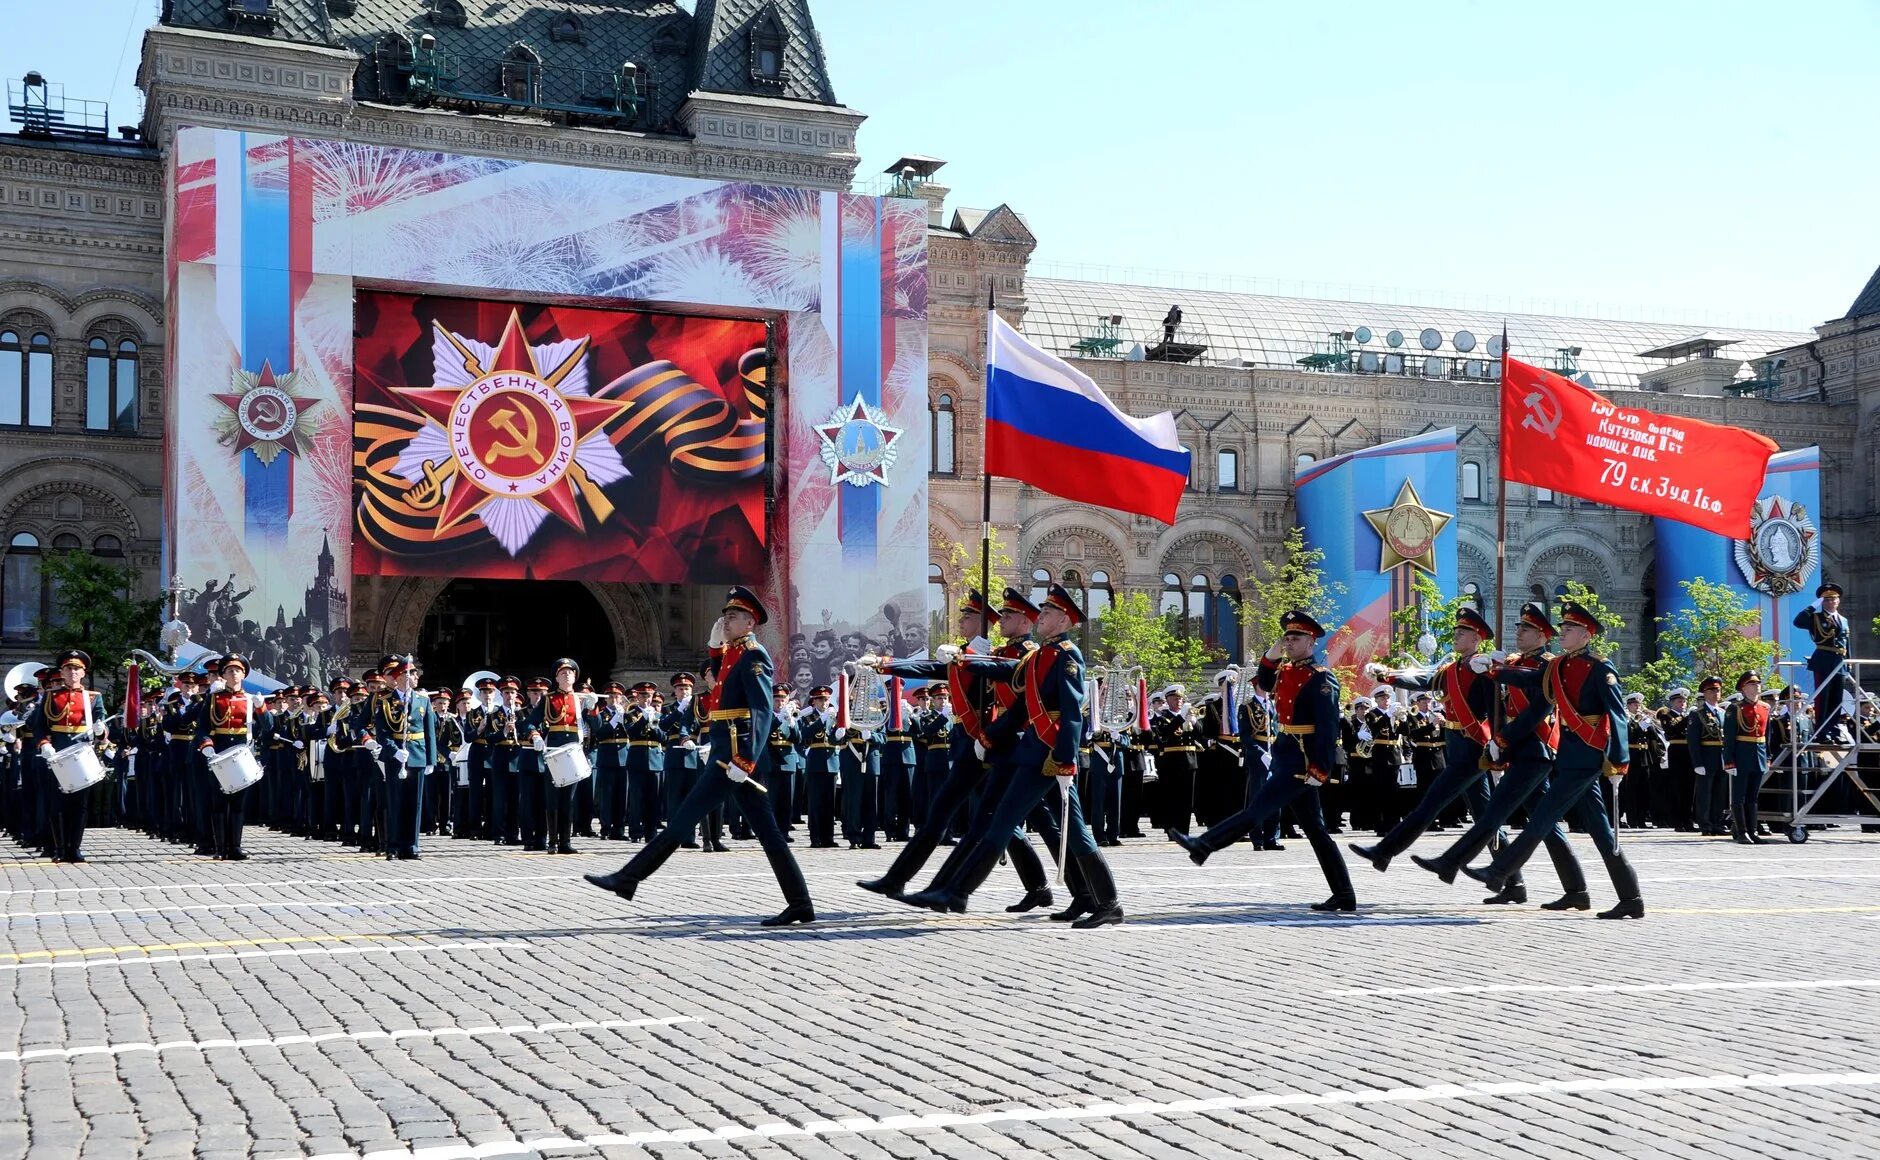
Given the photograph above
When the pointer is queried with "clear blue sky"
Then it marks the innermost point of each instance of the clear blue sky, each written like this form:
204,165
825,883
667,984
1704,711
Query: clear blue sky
1679,160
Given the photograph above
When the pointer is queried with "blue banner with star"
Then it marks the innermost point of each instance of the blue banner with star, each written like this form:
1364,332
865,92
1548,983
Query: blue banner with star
1380,515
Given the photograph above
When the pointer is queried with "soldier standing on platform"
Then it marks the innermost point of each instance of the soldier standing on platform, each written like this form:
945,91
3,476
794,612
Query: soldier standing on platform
1047,721
1746,755
1584,691
1523,744
1305,704
1705,739
1830,632
401,734
739,724
68,715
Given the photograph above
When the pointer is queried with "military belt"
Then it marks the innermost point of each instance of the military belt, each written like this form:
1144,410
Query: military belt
1747,737
1182,749
730,715
930,745
1717,742
1840,652
224,732
74,730
1266,737
1426,744
824,745
646,744
1106,745
409,736
1299,730
181,736
899,737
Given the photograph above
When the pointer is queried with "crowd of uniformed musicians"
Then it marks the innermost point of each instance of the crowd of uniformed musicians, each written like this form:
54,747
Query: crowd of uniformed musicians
998,744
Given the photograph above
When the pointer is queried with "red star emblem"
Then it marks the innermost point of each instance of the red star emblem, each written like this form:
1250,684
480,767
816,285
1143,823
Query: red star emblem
269,421
831,435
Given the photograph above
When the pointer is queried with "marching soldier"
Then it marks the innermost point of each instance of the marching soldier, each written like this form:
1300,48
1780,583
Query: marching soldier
1305,704
226,721
1047,724
1705,738
1648,764
401,734
817,733
67,716
1523,744
739,724
1746,755
1584,691
1829,631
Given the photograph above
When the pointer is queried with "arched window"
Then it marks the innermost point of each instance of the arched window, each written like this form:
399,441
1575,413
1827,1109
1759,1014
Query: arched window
1306,459
1224,618
1040,585
1472,595
1197,606
21,591
767,50
939,615
25,379
111,387
1472,481
522,75
107,546
1560,592
1190,453
1537,592
944,462
1100,596
1227,470
1171,604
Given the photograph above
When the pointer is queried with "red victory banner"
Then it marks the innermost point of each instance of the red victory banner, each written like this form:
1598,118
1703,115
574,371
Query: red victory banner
1557,434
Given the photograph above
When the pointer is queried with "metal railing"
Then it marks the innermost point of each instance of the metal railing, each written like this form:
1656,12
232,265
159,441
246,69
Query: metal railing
620,97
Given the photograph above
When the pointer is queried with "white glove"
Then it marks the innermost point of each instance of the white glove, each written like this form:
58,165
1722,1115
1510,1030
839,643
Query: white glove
868,661
300,745
97,728
1664,763
736,772
1376,670
1698,770
540,745
1494,751
717,637
979,751
1480,663
1273,651
1064,782
946,654
400,756
403,773
46,750
1364,735
374,746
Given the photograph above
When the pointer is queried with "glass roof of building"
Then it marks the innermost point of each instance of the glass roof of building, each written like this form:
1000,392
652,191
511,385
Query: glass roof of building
1268,330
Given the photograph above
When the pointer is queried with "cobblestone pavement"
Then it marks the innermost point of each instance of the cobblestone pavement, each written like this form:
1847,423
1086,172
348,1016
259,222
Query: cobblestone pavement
311,1002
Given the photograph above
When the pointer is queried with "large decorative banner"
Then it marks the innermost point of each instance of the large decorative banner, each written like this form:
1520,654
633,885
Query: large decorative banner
661,454
1380,515
556,442
1775,570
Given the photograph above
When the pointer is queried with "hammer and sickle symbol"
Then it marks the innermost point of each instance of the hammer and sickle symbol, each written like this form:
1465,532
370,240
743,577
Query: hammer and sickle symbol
1543,413
267,411
523,446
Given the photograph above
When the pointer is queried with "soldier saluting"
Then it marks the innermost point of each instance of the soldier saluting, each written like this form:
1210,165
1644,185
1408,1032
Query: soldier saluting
1825,625
739,726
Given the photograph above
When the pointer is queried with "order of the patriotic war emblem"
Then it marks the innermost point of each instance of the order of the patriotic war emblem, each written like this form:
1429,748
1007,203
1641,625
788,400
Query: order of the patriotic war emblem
265,414
858,444
1783,547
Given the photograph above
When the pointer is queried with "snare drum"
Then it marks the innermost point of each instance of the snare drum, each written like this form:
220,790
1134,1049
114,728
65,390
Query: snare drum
235,768
566,764
76,767
316,768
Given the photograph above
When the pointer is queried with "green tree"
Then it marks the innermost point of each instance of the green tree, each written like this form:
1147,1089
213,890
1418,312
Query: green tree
1275,587
1428,612
92,610
1612,622
963,564
1717,634
1133,633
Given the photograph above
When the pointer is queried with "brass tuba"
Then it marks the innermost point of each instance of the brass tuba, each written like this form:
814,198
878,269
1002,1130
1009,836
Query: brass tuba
1116,694
867,694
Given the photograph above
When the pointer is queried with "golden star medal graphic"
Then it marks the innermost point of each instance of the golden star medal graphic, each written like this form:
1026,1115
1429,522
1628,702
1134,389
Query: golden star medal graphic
1408,531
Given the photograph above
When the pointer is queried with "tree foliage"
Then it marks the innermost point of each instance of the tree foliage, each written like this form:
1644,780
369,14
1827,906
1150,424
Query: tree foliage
92,610
1612,622
1133,633
1275,587
963,564
1716,634
1428,612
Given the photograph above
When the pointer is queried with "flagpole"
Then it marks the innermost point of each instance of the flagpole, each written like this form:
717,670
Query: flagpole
985,475
1501,492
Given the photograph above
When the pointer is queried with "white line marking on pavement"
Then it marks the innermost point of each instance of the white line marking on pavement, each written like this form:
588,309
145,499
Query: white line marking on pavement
289,952
353,1036
1609,988
1104,1111
383,881
351,903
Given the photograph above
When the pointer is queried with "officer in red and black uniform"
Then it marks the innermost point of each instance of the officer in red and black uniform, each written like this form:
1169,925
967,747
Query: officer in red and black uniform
1305,707
558,718
1746,755
223,724
1525,739
1468,712
68,715
740,723
1584,692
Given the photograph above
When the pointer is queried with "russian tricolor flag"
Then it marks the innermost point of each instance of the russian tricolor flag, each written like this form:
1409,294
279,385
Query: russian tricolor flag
1048,425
